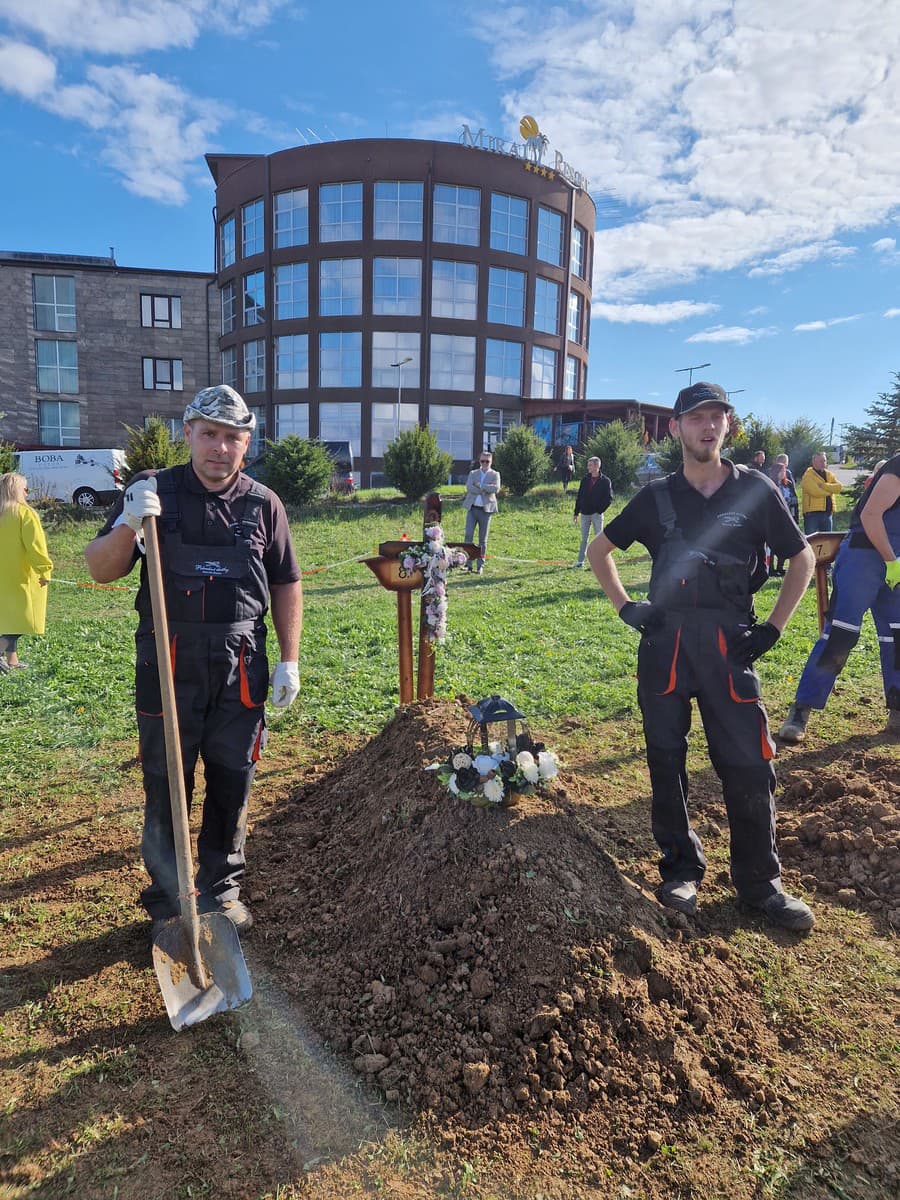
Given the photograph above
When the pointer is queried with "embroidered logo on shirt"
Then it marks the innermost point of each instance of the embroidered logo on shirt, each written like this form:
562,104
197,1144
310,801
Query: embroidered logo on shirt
733,520
211,567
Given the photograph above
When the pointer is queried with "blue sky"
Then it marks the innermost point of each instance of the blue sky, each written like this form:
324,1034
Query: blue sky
744,155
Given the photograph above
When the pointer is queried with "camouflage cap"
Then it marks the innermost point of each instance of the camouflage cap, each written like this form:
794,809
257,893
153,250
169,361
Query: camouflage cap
223,405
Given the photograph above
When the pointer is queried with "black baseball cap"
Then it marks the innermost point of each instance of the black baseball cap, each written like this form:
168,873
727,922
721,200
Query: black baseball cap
700,393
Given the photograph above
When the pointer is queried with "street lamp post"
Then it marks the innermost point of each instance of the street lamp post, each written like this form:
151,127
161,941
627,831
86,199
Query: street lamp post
699,367
400,365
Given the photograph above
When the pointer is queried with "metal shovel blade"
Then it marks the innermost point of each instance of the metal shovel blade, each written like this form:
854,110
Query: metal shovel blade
227,984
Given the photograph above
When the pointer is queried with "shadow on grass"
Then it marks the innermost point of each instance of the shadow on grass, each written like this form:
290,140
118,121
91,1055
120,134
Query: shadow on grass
58,877
46,832
859,1161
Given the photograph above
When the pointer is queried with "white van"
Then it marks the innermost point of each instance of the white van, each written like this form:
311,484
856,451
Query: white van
87,478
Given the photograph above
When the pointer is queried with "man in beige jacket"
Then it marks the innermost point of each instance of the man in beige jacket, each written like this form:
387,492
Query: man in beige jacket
480,503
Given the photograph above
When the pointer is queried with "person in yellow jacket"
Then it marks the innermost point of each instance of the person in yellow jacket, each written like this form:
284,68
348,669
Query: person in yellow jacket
818,486
25,569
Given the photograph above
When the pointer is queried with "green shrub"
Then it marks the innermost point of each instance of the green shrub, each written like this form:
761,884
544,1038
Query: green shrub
7,457
620,450
152,448
415,464
522,460
298,470
668,454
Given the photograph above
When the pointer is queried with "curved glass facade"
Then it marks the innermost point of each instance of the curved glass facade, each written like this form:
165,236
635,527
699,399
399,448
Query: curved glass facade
367,286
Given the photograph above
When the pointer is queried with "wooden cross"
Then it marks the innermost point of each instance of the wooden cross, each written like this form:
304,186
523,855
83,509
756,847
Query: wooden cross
825,547
387,569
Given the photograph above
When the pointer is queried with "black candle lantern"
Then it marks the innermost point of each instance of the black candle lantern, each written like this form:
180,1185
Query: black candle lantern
486,713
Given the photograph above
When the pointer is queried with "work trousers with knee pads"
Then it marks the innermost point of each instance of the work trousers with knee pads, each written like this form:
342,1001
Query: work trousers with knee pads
688,658
221,681
859,584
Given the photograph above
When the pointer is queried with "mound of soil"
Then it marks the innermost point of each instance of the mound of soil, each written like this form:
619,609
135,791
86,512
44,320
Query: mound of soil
494,965
840,827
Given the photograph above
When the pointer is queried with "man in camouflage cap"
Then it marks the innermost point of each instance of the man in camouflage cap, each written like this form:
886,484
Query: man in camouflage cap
227,557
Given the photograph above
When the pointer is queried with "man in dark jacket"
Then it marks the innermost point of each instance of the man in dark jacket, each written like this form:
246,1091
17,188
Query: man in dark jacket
595,494
227,557
703,527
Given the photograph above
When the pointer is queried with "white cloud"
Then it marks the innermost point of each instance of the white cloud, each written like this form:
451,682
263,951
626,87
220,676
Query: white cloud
651,314
25,71
133,26
738,334
892,312
763,132
885,245
815,326
801,256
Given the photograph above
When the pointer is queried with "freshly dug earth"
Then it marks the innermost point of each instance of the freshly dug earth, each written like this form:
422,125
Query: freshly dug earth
495,967
841,829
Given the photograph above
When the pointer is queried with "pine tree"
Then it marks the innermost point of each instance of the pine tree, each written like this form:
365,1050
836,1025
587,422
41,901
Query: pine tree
880,438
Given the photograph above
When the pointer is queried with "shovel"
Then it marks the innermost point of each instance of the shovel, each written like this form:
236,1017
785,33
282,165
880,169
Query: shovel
197,958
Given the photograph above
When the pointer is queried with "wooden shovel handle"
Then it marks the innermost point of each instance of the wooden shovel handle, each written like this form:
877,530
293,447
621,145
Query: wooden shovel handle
174,767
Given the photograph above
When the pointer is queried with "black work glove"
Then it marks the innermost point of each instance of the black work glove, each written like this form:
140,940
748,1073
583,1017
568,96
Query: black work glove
753,643
642,615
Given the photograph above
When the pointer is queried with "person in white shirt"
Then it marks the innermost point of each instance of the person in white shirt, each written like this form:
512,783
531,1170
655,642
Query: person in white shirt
480,502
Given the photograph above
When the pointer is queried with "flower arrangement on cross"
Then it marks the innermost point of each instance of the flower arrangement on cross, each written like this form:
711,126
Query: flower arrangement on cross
434,559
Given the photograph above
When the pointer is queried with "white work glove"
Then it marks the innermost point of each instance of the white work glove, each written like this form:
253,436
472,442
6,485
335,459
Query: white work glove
285,684
140,501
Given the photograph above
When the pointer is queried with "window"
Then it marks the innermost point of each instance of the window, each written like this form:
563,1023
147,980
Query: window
570,383
291,217
162,374
292,361
546,305
509,223
390,348
543,373
229,366
454,290
452,425
398,211
506,296
255,366
54,303
579,251
390,420
457,212
229,308
340,212
59,423
550,231
57,366
253,237
340,360
160,312
291,418
503,367
255,298
340,287
397,287
292,291
576,310
496,422
340,422
258,436
452,362
226,243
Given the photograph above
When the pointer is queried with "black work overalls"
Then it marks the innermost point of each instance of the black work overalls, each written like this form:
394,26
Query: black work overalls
706,595
216,598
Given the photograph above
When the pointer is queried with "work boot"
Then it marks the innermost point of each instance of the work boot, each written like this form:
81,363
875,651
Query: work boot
892,729
794,728
236,911
479,566
680,894
786,911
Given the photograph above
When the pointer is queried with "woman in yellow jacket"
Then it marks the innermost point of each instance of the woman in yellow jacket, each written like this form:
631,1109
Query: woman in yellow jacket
25,569
818,486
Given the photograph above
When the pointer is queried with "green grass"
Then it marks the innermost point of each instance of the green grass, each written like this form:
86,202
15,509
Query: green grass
531,629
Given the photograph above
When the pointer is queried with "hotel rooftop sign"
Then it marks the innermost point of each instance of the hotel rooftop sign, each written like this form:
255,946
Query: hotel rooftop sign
530,150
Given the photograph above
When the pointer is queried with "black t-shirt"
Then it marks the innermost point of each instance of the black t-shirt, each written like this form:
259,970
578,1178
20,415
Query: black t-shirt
741,515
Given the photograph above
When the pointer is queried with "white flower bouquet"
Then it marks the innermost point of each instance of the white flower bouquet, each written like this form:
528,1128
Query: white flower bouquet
434,559
497,775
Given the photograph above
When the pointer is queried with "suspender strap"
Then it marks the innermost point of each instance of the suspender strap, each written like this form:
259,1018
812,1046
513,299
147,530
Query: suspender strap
256,498
168,482
664,508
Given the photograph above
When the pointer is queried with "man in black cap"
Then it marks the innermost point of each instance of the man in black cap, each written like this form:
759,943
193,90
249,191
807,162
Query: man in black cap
705,527
227,557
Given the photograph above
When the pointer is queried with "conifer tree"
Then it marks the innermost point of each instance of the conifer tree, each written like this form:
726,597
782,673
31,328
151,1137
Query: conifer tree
880,438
